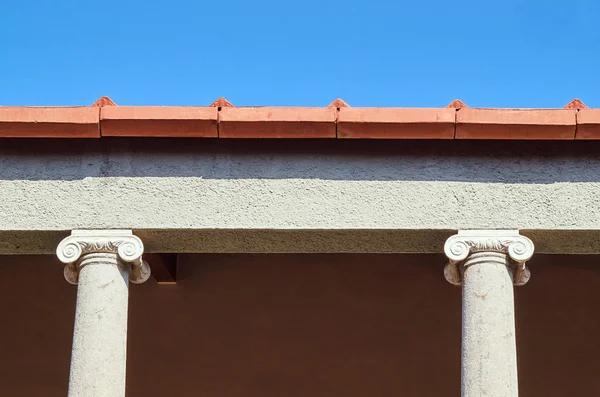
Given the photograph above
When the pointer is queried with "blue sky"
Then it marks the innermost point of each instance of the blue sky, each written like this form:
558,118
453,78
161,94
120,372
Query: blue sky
512,53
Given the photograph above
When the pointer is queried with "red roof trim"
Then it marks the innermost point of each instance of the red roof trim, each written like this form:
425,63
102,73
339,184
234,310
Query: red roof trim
403,123
338,120
159,121
270,122
516,124
49,122
588,124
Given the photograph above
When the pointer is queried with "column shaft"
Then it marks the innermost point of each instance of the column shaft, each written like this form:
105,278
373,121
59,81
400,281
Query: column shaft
489,356
488,264
101,263
98,357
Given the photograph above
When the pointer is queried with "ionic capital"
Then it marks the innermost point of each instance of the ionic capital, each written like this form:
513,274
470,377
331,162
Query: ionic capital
122,243
463,245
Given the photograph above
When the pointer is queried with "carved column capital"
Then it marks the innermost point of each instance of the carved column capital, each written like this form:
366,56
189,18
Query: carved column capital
466,243
120,244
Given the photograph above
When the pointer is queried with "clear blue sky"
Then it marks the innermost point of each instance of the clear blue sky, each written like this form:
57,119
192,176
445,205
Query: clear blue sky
513,53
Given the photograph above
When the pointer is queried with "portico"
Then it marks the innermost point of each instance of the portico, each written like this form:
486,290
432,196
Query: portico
315,267
486,263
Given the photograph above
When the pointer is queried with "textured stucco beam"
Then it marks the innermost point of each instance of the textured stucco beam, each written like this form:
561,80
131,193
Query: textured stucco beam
381,197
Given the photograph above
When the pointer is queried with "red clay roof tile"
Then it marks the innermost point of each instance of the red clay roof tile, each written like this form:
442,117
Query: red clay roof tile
404,123
575,104
159,121
338,120
338,103
49,122
104,101
588,124
277,122
457,104
539,124
221,103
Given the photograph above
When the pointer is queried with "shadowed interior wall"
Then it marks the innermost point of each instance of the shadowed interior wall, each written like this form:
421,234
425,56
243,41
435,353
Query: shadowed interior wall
303,325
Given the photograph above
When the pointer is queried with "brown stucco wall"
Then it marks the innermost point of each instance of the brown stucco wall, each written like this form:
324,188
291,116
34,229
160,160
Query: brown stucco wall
303,325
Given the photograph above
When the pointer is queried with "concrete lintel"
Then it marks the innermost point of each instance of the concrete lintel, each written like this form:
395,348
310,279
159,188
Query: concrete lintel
198,196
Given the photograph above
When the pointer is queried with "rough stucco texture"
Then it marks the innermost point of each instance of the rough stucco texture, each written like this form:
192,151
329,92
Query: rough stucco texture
149,185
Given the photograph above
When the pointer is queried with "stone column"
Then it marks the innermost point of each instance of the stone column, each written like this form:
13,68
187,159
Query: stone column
101,263
487,264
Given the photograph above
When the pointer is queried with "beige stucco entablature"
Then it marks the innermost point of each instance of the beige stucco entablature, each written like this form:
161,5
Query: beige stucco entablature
186,195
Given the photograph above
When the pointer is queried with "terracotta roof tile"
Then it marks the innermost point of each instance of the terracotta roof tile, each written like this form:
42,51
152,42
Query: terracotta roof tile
515,124
588,124
159,121
104,101
338,103
277,122
457,104
49,122
575,104
404,123
221,103
338,120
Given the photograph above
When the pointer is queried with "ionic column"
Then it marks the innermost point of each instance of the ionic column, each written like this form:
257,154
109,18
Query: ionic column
487,264
101,263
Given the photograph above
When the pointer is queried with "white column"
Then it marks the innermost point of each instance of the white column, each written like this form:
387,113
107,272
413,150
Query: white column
487,263
101,262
